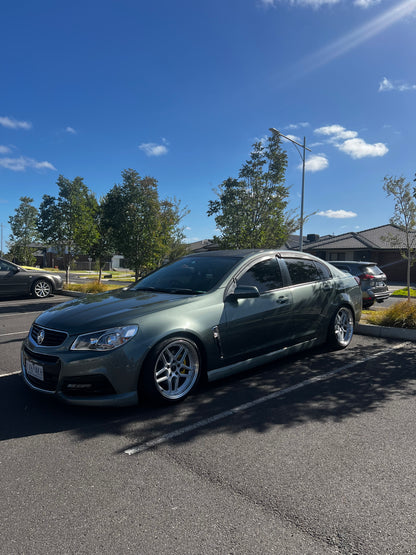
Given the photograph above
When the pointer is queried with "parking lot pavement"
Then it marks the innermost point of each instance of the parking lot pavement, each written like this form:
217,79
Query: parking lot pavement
313,454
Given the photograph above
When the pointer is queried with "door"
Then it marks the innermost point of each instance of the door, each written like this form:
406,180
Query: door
257,325
313,291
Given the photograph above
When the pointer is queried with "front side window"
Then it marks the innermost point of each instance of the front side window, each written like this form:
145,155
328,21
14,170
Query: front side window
264,275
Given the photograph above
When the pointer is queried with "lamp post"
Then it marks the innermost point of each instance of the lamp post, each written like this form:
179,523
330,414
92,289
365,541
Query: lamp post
304,147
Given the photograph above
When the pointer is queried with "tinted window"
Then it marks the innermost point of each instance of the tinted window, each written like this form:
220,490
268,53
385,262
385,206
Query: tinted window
264,275
5,266
374,270
323,270
302,270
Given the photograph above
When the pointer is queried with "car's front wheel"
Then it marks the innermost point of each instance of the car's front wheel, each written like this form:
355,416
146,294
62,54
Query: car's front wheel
172,370
42,288
341,328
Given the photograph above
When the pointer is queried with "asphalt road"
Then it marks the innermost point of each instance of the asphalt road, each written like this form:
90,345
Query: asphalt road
314,454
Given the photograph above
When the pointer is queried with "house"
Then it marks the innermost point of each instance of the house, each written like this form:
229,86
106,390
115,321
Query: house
382,245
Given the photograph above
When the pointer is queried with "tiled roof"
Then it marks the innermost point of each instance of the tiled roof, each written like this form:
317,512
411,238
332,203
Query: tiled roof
383,237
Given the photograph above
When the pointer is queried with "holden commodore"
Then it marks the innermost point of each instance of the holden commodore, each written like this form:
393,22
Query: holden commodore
206,315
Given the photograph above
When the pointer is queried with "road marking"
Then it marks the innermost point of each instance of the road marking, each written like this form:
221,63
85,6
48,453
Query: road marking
13,333
240,408
10,374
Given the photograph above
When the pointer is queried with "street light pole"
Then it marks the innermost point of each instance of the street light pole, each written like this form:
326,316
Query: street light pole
303,157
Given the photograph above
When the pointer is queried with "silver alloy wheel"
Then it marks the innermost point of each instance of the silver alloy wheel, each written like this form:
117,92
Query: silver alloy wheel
176,369
343,326
42,288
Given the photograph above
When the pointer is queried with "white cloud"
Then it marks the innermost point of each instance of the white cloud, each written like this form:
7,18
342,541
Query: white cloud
366,3
12,123
292,137
316,163
358,148
348,141
5,149
293,126
70,130
336,132
22,164
318,3
337,214
387,85
153,149
312,3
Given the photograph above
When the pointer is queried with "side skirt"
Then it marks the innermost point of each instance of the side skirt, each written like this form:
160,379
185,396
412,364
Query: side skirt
225,371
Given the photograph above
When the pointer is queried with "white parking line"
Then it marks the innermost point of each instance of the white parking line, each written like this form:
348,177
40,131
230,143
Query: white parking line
13,333
231,412
10,374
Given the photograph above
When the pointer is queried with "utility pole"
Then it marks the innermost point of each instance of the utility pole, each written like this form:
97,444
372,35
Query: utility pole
1,244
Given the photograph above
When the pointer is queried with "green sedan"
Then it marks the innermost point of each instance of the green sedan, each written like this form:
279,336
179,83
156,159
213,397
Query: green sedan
206,315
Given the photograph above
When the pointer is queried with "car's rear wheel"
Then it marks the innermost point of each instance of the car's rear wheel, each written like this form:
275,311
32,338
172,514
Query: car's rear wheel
42,288
341,328
172,370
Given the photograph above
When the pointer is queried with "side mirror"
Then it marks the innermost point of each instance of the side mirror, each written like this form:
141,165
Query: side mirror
245,292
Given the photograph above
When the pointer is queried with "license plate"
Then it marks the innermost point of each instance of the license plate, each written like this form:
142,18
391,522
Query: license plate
34,370
380,284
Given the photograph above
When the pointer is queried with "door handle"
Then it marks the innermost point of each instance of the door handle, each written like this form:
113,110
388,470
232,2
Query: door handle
283,300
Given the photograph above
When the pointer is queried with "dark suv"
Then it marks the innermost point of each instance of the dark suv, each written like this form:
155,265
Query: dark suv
373,281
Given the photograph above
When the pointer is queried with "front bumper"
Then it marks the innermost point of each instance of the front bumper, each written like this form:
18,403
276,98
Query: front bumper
80,378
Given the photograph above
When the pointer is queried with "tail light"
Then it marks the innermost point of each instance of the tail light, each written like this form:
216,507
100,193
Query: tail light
368,277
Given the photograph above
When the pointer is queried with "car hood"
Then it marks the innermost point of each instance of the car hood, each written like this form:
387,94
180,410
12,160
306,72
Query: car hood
105,310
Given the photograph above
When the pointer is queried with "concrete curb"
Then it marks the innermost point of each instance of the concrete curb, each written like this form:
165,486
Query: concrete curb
72,293
388,333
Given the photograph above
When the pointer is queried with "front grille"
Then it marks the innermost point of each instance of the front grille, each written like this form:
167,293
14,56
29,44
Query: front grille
51,368
51,338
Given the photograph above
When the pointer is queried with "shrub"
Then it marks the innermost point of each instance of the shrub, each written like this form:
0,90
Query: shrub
400,315
90,287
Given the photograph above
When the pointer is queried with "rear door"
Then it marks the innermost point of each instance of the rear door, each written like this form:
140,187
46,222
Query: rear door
313,292
262,324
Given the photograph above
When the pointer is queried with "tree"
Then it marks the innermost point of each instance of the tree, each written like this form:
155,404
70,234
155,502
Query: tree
68,221
143,228
250,211
24,232
404,218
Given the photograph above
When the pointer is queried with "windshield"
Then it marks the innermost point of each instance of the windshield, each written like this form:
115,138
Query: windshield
195,275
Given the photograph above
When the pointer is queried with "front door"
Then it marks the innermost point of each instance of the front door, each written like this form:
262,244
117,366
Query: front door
257,325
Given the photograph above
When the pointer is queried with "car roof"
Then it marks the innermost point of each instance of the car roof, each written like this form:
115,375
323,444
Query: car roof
335,262
245,253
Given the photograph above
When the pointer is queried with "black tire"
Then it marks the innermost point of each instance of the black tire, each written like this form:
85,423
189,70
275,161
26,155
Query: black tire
171,371
42,288
341,328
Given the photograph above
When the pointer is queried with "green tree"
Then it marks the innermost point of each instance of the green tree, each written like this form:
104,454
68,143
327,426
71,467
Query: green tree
69,221
404,218
143,228
102,249
251,211
24,232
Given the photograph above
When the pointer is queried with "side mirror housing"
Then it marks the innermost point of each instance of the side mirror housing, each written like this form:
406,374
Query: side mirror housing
245,292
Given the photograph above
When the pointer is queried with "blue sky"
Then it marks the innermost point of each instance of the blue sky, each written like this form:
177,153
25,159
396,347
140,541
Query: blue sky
180,89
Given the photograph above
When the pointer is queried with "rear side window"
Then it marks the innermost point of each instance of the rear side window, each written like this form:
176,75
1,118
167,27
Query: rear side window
264,275
304,271
374,270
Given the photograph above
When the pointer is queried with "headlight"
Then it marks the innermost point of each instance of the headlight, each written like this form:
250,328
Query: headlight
104,340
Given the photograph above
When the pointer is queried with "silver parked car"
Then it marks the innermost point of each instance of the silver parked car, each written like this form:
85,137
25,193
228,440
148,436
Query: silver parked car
15,281
206,315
